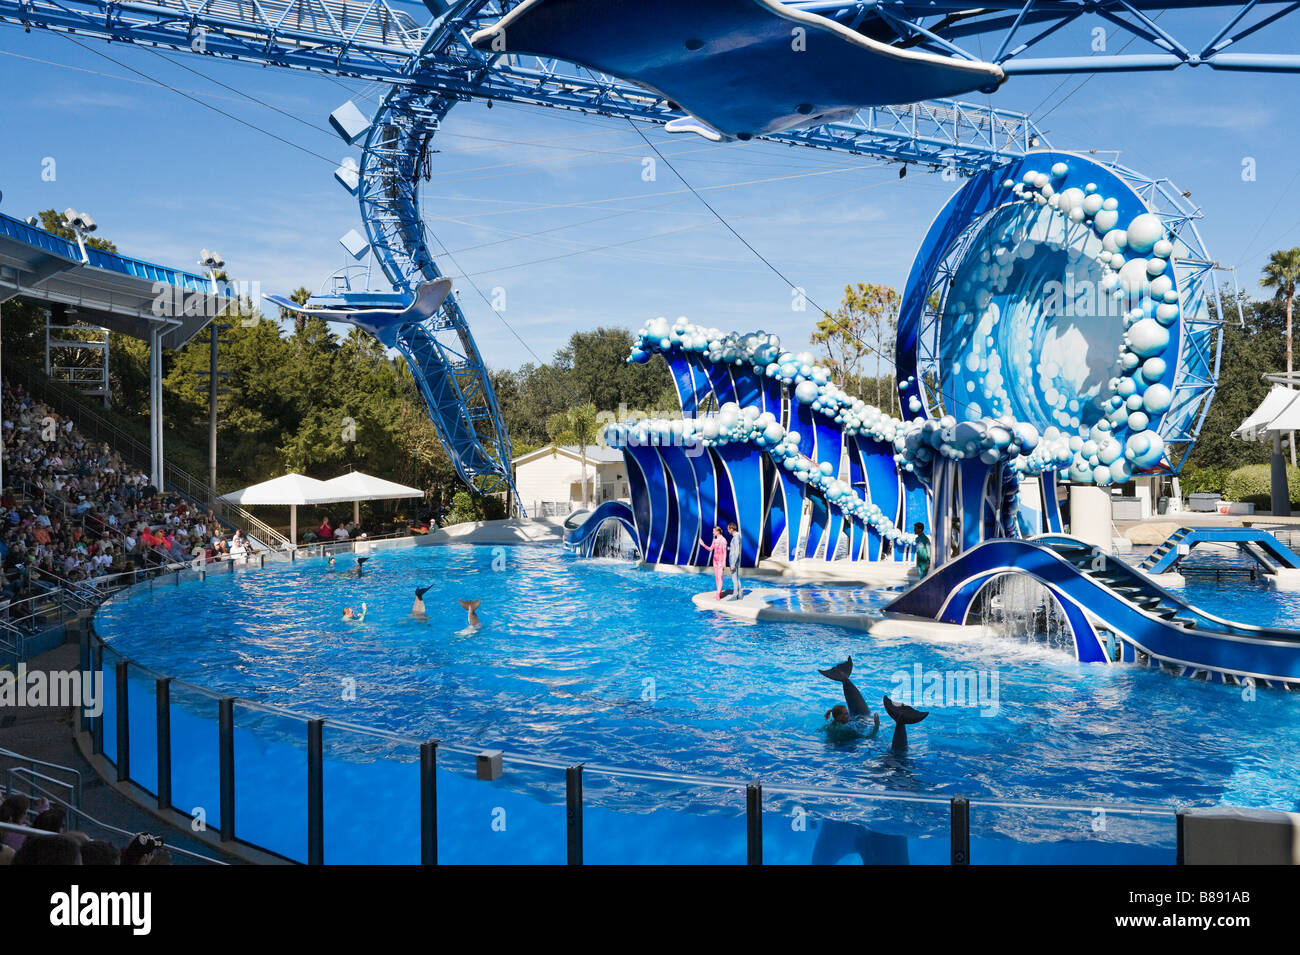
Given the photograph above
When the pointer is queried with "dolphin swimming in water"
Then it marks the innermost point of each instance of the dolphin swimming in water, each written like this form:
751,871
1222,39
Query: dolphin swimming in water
471,606
840,674
418,607
355,570
902,715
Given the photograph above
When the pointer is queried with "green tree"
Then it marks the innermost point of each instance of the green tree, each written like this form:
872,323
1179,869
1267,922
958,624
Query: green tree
1281,274
578,425
863,324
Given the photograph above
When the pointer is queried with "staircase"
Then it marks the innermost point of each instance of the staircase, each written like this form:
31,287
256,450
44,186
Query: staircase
1269,552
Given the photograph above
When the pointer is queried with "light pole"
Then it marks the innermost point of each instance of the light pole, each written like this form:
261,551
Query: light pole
212,261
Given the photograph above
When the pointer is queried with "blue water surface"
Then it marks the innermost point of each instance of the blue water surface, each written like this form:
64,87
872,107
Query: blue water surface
609,665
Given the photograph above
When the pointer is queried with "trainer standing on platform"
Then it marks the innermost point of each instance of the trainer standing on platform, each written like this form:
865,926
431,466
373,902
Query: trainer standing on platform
733,560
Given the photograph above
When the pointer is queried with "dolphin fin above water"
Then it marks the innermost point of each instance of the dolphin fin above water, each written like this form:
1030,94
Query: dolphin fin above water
421,591
903,716
852,698
471,606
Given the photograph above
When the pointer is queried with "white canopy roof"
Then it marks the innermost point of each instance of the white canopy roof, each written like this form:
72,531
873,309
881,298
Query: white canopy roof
356,486
1279,411
287,489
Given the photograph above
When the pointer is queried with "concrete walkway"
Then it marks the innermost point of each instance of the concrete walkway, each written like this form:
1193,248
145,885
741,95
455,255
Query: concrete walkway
756,605
541,530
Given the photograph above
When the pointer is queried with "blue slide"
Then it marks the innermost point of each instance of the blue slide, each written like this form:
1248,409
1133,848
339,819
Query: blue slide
1115,612
583,537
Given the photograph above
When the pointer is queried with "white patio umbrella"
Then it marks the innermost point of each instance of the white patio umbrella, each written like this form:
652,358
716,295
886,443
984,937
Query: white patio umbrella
357,487
291,489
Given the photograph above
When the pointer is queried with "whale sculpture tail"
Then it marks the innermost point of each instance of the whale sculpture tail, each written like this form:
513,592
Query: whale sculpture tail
903,716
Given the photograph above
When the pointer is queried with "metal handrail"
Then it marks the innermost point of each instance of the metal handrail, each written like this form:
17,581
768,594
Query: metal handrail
79,817
32,762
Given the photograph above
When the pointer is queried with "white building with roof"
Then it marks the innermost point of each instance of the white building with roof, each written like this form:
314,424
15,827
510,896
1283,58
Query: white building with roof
550,479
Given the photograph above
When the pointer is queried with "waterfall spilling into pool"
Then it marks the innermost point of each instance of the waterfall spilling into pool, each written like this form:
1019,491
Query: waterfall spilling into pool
1020,608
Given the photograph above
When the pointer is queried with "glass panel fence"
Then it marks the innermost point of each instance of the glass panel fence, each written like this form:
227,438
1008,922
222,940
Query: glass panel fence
196,772
371,798
108,667
271,780
1045,834
635,818
806,827
517,818
142,712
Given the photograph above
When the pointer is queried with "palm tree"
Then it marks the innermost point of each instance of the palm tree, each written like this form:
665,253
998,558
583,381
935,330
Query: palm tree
579,425
1282,275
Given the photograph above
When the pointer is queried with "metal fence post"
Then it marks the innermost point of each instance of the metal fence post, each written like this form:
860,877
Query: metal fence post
429,803
960,828
163,696
315,793
1179,857
226,750
123,723
754,823
573,813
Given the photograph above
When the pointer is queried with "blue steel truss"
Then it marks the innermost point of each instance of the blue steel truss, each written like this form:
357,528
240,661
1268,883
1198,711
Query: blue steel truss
425,55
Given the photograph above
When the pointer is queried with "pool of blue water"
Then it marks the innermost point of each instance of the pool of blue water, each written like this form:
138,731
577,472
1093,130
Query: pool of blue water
609,665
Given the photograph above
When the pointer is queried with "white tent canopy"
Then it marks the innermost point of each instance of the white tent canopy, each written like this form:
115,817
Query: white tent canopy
295,489
286,489
357,487
291,489
1278,412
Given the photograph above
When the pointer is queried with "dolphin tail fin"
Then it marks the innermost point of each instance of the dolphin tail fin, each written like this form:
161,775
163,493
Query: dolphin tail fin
840,672
361,560
903,714
421,591
470,605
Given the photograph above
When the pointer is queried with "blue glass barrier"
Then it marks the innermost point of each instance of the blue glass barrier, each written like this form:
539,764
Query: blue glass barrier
639,820
196,772
1039,834
271,780
518,819
143,739
108,667
359,766
812,828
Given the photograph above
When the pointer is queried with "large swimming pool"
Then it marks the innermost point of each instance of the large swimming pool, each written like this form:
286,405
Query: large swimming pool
602,663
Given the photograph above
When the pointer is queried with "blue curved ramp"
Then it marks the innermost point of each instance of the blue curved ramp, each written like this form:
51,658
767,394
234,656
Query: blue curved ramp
583,537
1120,608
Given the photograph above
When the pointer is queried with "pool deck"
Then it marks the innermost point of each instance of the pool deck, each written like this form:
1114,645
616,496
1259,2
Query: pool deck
513,531
755,606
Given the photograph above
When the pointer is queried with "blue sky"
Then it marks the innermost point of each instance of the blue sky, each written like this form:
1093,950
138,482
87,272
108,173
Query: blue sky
165,177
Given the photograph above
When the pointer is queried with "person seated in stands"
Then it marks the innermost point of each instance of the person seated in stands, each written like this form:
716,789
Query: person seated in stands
325,532
14,811
238,545
341,532
142,849
49,850
99,852
54,819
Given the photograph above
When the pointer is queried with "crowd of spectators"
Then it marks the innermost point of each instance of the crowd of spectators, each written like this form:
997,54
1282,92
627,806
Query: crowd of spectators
73,511
64,847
